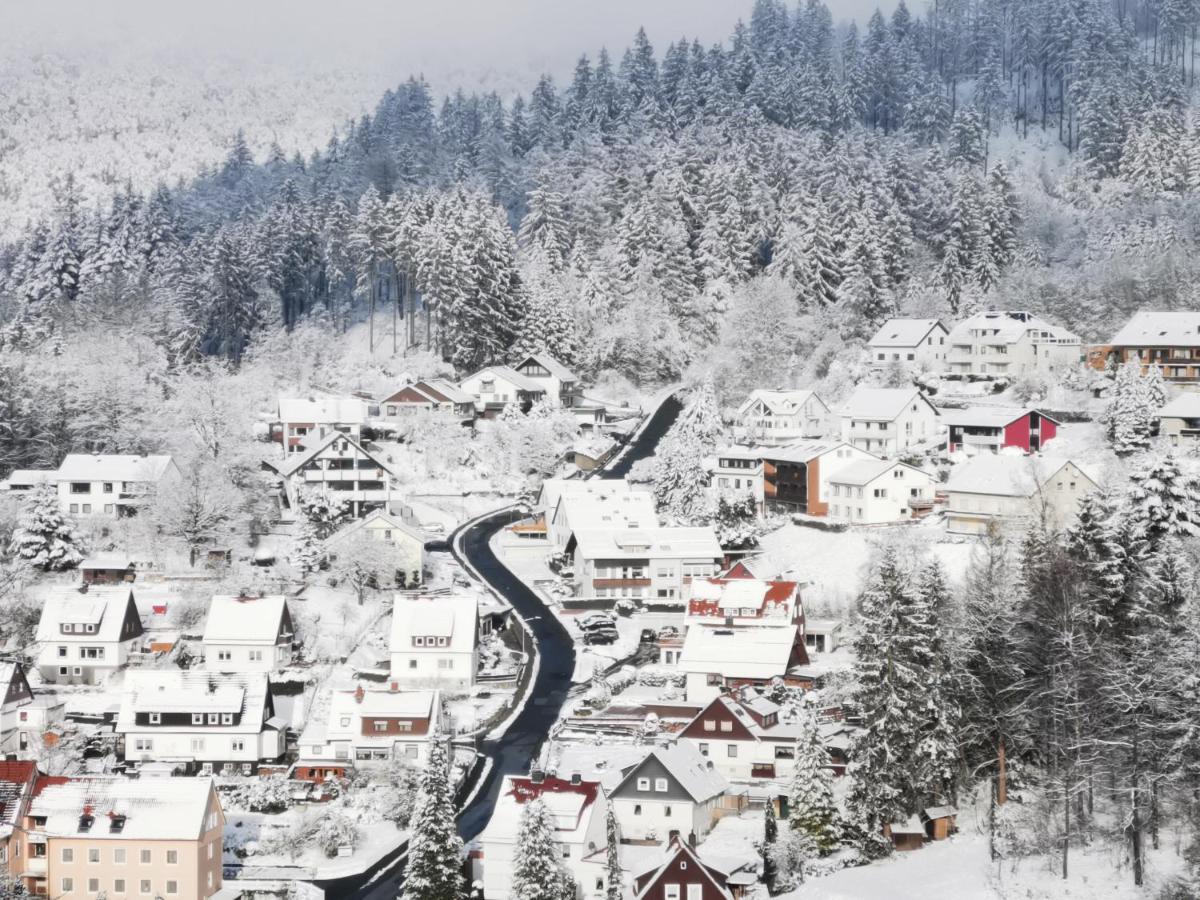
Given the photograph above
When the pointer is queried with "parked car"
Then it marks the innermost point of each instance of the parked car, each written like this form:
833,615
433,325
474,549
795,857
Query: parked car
433,527
598,628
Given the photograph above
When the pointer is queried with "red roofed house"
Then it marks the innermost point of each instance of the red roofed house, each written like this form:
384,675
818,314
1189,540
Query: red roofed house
578,810
432,393
742,735
16,789
991,430
744,602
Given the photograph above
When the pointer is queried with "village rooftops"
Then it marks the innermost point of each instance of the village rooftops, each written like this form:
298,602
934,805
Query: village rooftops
383,704
1007,475
1008,327
903,332
518,380
244,620
102,609
297,461
881,404
686,764
551,365
731,596
988,417
147,808
754,653
1160,329
687,543
110,467
323,409
167,691
437,390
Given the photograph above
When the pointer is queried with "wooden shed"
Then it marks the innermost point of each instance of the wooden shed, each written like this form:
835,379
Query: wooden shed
940,822
108,568
906,835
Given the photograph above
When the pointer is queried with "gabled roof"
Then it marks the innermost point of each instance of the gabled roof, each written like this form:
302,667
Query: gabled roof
675,850
1160,329
596,510
297,461
1009,327
1007,475
113,467
571,805
244,620
693,772
653,543
153,808
512,376
350,529
864,471
1185,406
102,606
323,409
551,365
452,616
774,601
798,452
16,783
26,478
756,653
108,561
884,404
989,416
434,390
904,332
780,403
195,691
385,704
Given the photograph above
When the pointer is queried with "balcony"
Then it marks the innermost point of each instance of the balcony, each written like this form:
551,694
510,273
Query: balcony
599,583
762,770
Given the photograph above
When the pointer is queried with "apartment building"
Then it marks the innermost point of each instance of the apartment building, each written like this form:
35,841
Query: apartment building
342,466
651,564
111,485
1010,342
85,634
248,634
793,479
776,418
303,421
877,492
889,421
1014,490
1169,340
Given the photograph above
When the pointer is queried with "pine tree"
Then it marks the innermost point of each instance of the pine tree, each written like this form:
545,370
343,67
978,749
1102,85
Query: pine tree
435,851
537,872
306,555
767,848
614,888
939,719
811,807
1129,414
1164,500
43,537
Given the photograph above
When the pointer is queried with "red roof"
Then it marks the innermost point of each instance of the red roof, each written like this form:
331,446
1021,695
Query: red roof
778,593
17,771
45,781
526,789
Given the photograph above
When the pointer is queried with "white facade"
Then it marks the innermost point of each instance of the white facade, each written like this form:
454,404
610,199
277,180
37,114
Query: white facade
83,637
775,418
111,485
407,542
341,467
874,493
604,506
434,640
560,384
917,344
248,634
494,387
648,564
304,421
889,421
370,726
1014,490
1009,342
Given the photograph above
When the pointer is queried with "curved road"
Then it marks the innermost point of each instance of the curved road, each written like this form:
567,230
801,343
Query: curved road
514,751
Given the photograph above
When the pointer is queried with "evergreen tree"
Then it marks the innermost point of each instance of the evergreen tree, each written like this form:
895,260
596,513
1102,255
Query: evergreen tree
435,851
44,538
1128,416
306,554
537,870
812,810
614,888
1164,500
767,848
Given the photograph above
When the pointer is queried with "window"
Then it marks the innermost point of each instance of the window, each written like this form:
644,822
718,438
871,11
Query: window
108,508
637,809
727,726
145,858
660,785
143,744
155,718
197,745
87,508
62,652
731,751
391,410
704,749
224,655
695,891
145,886
710,725
566,851
197,718
255,656
62,670
108,487
237,746
93,885
226,718
445,664
671,892
94,855
119,856
380,725
412,663
172,857
643,784
118,885
667,811
68,885
81,487
214,718
68,855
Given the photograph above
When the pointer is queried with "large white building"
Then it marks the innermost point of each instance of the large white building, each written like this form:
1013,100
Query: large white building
1009,342
716,657
918,344
649,564
672,793
84,636
1169,340
340,466
104,484
405,541
303,421
494,387
1014,490
608,506
435,640
874,492
248,634
794,478
775,418
560,384
889,421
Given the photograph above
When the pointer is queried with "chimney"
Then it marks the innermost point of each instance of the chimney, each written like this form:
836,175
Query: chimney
395,686
576,778
359,693
692,839
537,776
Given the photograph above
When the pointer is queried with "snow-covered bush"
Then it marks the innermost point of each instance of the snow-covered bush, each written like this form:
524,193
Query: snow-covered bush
653,676
270,794
622,678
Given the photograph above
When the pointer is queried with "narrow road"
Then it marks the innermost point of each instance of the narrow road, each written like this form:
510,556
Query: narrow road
514,751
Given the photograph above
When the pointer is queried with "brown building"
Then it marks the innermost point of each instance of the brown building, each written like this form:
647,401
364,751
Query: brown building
683,874
1169,340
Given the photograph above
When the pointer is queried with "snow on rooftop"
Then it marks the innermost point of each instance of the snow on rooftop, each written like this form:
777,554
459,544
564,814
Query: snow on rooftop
742,593
102,607
903,332
880,403
382,703
551,365
153,809
758,653
512,376
986,416
1185,406
323,409
779,402
193,691
1007,327
1006,475
673,543
112,467
1160,329
863,471
451,616
244,620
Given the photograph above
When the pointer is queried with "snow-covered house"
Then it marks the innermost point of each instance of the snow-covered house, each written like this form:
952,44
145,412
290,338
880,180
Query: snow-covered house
105,484
430,393
648,564
578,810
20,481
874,492
16,696
560,384
248,634
989,429
744,737
494,387
365,726
888,421
687,872
341,466
1012,489
1169,340
434,640
604,506
918,344
1009,342
404,540
673,792
1179,420
301,421
17,781
200,721
775,418
793,479
743,602
717,658
86,634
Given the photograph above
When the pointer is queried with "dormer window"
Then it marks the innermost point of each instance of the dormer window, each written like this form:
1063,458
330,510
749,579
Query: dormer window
441,642
155,718
90,629
197,718
418,642
86,821
226,718
214,718
116,823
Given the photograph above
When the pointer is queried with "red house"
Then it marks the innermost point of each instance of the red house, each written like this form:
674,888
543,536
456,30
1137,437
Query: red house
682,875
991,430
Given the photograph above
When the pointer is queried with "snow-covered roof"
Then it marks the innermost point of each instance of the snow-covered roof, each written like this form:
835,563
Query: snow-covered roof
674,851
27,478
450,616
511,375
904,332
551,365
108,561
381,704
780,403
447,389
392,520
195,691
571,805
113,467
864,471
1160,329
1185,406
102,607
686,765
988,416
323,409
798,452
652,543
153,808
554,489
1007,475
297,461
883,404
600,510
15,781
911,825
758,653
244,620
1008,327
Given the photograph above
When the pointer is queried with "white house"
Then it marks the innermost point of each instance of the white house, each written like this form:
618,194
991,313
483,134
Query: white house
888,421
577,807
364,726
743,736
429,394
649,564
200,721
1009,342
405,541
494,387
248,634
560,384
874,492
301,421
112,485
743,602
340,466
16,699
1179,420
918,344
605,506
774,418
672,792
1014,490
84,636
435,640
715,657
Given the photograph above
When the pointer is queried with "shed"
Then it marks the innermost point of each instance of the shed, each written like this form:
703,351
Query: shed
906,835
108,568
822,635
940,822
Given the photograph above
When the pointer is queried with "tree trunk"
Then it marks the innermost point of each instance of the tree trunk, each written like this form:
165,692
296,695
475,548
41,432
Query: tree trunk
1135,823
1002,780
1066,827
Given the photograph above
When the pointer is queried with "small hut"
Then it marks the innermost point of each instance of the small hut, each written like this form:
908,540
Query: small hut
939,822
906,835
